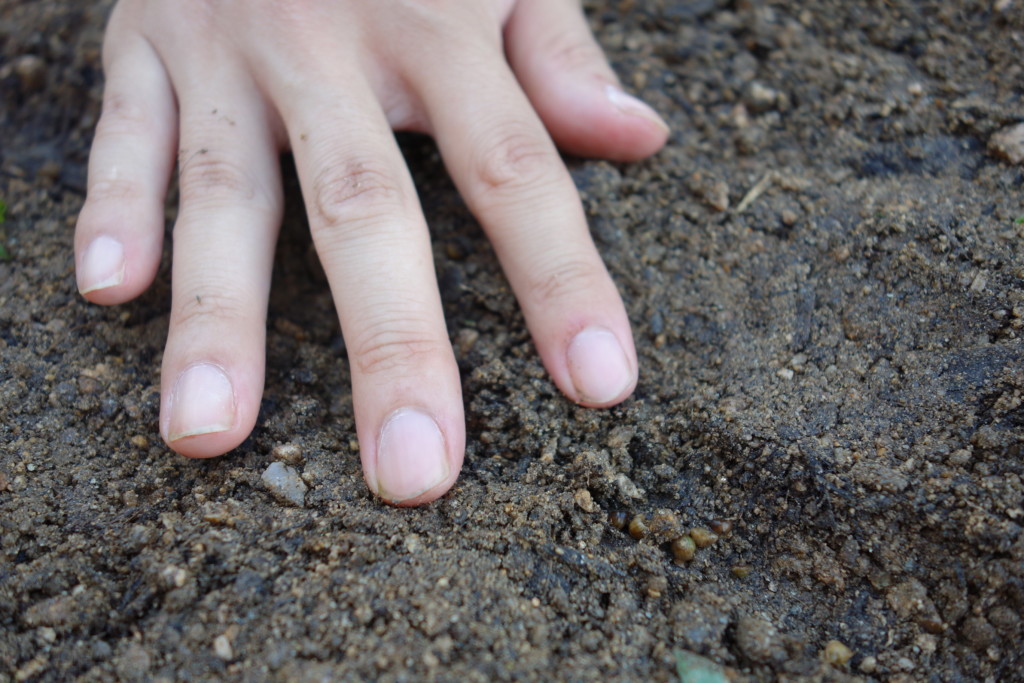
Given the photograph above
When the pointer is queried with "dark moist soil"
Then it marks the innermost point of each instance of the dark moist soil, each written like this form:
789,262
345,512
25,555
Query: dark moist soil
827,285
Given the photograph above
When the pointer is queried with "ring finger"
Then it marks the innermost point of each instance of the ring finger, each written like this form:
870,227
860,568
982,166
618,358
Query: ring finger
373,241
507,168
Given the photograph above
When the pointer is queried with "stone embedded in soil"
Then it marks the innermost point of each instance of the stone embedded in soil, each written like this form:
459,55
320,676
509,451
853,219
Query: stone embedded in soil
31,72
759,640
1008,143
836,654
585,500
288,453
284,483
222,648
134,663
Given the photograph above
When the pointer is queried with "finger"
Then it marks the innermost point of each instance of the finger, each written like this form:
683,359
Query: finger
567,78
507,168
230,210
120,229
372,239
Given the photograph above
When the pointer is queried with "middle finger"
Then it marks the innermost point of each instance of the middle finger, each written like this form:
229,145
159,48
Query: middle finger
372,238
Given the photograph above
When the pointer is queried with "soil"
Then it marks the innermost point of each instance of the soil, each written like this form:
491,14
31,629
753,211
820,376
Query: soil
825,272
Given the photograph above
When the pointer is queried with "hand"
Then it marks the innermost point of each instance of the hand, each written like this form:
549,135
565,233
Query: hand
224,87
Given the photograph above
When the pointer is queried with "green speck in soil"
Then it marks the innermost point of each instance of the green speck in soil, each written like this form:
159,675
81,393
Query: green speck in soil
1019,221
692,668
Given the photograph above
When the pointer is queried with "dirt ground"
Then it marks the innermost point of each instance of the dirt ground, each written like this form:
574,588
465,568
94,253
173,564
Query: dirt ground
825,269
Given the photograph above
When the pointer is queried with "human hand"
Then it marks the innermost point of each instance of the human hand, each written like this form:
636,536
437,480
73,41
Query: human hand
224,87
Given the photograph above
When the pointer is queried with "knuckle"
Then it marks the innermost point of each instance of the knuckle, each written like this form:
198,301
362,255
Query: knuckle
571,53
515,161
206,177
566,279
197,310
121,190
122,115
385,349
353,191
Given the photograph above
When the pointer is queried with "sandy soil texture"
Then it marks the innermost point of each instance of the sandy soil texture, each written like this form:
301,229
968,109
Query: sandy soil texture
825,269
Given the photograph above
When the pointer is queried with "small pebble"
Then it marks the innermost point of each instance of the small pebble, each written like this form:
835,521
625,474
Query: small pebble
868,665
285,484
638,527
683,549
31,72
759,98
759,640
703,537
837,654
31,669
585,501
288,453
1008,144
465,340
222,648
656,586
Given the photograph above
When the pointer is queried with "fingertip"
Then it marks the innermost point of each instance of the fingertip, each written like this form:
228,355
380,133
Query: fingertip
600,120
416,458
564,73
601,369
204,414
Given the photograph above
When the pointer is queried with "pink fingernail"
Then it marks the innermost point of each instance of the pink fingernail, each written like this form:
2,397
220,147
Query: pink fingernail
202,402
411,456
102,265
632,106
598,366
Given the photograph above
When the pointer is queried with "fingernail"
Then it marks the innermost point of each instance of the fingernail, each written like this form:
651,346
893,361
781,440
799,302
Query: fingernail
598,366
411,456
102,265
202,402
632,106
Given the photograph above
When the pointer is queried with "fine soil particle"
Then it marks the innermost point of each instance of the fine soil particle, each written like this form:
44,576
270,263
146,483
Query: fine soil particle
825,278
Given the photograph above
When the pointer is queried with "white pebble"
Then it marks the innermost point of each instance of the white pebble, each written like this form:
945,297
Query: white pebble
222,648
285,484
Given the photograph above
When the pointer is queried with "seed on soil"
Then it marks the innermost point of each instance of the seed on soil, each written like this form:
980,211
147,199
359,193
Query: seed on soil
742,571
722,527
618,519
683,549
836,654
638,527
703,537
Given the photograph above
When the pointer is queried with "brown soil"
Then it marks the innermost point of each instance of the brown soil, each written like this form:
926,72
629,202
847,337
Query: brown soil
834,367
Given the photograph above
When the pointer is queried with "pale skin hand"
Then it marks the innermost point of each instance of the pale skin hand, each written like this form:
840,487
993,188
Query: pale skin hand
224,87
